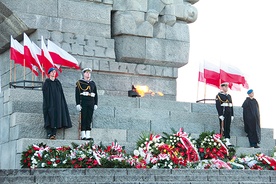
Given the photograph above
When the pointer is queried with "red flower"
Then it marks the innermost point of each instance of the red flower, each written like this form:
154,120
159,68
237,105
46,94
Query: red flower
49,162
208,150
201,150
214,150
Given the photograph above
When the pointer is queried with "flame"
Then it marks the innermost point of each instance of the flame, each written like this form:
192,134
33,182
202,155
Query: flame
142,90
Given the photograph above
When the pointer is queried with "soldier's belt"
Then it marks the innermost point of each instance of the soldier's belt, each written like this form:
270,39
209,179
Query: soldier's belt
87,94
226,105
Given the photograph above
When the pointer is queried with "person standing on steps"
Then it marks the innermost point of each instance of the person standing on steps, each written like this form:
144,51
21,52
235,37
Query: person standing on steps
55,109
225,111
251,118
86,102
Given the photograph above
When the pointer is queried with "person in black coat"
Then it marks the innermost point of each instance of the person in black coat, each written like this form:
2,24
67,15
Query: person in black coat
55,109
251,118
225,111
86,102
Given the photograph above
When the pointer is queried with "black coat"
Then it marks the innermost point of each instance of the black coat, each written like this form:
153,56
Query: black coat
55,109
251,118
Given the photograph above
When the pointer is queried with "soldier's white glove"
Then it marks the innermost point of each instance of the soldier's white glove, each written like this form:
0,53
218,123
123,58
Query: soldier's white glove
78,107
221,118
95,107
232,118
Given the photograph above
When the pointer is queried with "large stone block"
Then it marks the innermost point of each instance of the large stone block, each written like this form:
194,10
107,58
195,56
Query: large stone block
136,5
84,11
151,51
39,7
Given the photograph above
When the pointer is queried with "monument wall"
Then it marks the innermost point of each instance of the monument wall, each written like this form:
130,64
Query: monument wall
140,42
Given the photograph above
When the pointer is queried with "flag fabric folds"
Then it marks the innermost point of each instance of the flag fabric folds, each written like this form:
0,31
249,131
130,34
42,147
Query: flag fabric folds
40,59
214,75
62,57
17,54
30,56
46,59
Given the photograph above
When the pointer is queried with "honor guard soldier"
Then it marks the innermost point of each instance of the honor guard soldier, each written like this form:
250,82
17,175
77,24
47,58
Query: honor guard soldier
225,111
86,101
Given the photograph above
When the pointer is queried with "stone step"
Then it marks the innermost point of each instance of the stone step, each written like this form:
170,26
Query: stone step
19,100
24,123
147,176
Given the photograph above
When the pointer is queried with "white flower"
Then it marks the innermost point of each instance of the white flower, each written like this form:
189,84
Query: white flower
171,137
43,164
174,140
136,152
54,165
215,143
64,161
147,139
178,138
171,140
142,145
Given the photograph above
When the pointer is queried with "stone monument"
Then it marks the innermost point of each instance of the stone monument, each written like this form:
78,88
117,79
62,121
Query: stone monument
125,42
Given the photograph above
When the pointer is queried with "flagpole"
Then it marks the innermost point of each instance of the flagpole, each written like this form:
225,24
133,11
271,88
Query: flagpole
10,70
14,79
205,91
24,70
197,90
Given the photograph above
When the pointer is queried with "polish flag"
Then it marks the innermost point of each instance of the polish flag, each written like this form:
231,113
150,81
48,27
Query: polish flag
29,54
201,73
46,59
231,74
17,54
37,53
62,57
211,74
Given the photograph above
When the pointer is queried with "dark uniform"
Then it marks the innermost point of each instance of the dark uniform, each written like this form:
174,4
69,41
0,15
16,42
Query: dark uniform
55,110
87,97
225,108
251,117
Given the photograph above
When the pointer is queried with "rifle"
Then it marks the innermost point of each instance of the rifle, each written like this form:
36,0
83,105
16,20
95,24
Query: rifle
221,128
79,129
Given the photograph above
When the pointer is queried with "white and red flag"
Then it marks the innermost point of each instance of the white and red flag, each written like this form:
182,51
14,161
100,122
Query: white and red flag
209,74
30,55
61,57
18,56
46,59
17,52
231,74
214,75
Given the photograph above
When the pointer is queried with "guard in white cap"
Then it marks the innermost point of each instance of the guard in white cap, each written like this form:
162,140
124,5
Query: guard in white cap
225,111
86,101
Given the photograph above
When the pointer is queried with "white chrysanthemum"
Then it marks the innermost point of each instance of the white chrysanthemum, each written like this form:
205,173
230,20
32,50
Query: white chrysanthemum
64,161
54,165
52,159
171,137
142,145
215,143
178,138
34,161
136,152
43,164
147,139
